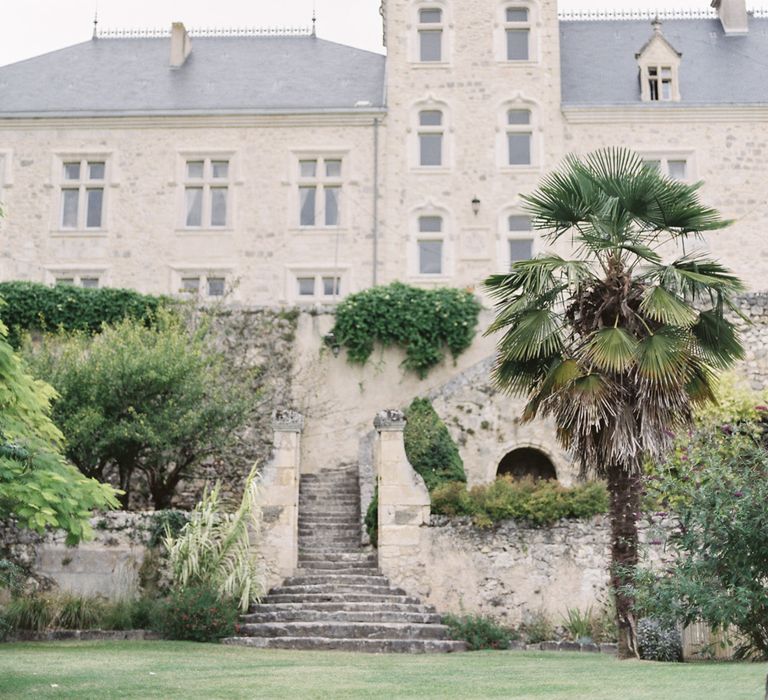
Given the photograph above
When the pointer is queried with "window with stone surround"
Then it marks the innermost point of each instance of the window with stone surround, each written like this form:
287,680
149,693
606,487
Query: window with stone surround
206,192
320,183
431,138
209,283
678,166
317,284
430,34
518,238
88,278
517,32
430,246
83,183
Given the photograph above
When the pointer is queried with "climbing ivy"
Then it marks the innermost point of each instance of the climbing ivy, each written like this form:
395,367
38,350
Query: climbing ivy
424,322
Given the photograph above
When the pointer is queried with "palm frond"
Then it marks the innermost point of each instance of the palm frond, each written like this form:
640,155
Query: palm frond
718,343
662,357
663,306
695,276
535,335
612,349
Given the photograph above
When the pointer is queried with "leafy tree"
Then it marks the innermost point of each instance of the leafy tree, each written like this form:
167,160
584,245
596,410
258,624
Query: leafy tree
618,343
38,487
142,403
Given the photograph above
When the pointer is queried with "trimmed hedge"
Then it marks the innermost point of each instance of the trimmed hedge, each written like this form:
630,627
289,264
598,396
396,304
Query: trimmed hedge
429,446
31,306
536,502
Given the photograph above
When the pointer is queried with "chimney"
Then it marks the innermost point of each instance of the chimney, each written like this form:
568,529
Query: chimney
181,45
733,16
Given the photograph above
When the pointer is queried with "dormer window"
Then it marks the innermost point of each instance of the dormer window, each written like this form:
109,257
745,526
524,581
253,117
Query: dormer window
660,83
659,64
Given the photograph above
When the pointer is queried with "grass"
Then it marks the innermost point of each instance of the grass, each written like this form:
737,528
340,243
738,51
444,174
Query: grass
189,670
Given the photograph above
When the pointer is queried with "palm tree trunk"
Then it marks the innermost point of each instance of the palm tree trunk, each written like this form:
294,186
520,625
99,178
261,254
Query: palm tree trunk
624,489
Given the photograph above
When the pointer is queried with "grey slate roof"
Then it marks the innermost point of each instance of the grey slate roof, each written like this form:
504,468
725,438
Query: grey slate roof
599,66
221,75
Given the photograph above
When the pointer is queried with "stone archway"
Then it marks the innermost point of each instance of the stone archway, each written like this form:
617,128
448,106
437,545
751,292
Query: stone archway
527,461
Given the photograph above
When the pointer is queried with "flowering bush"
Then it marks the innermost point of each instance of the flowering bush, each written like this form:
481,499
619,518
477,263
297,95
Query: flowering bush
658,641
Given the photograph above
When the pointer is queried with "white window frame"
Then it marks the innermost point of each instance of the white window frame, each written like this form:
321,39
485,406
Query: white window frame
77,273
673,79
82,184
501,26
6,173
417,27
506,235
430,104
203,273
320,181
664,158
504,128
443,235
298,271
207,183
181,181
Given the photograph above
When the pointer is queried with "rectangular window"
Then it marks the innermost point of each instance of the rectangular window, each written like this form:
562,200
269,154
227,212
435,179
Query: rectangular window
430,137
430,257
207,284
320,184
190,285
318,286
519,137
215,286
676,168
520,239
520,249
87,280
518,30
430,34
82,194
206,193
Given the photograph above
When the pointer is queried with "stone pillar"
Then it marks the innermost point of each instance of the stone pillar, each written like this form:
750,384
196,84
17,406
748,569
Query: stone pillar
404,504
280,497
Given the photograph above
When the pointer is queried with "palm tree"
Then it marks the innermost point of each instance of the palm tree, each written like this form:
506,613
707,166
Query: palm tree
619,343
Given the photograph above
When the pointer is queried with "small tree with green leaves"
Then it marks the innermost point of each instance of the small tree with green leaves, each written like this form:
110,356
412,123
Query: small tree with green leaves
620,341
140,404
38,487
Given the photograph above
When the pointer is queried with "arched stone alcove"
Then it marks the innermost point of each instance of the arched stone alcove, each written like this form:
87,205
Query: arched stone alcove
527,461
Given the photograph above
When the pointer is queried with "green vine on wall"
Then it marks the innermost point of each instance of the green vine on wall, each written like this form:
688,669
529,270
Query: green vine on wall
423,322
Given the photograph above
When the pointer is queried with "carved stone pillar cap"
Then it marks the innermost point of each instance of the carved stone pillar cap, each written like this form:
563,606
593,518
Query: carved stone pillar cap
389,419
286,420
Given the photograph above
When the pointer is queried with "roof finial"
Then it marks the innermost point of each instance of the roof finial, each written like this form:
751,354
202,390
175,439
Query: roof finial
314,20
96,22
656,24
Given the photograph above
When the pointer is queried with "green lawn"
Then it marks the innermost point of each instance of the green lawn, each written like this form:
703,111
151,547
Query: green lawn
178,669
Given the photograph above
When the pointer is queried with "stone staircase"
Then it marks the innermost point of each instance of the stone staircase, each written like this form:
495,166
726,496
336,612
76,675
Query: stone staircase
338,599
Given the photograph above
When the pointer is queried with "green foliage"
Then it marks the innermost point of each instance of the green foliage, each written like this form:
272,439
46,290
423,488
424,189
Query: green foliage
37,612
37,307
478,632
718,488
429,446
216,550
536,502
141,406
658,641
578,624
372,518
78,612
11,576
164,523
198,615
538,627
422,322
37,486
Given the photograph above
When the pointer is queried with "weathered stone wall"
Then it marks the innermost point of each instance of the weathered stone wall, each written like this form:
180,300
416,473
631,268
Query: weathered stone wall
110,565
511,569
754,336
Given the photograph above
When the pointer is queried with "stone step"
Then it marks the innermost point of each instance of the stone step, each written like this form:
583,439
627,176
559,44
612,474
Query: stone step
329,517
360,556
328,509
335,567
376,589
344,630
376,646
305,615
372,579
317,551
343,606
337,597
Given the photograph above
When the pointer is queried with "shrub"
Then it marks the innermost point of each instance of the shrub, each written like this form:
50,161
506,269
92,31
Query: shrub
198,615
536,502
126,614
11,576
164,523
424,322
35,612
76,612
216,550
478,632
538,627
372,518
31,306
578,624
658,641
429,446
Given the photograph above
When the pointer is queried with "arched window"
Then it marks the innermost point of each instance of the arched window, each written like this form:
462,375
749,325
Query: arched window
518,142
527,462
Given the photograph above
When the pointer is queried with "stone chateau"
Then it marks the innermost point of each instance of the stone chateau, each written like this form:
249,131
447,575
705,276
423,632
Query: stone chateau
272,170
